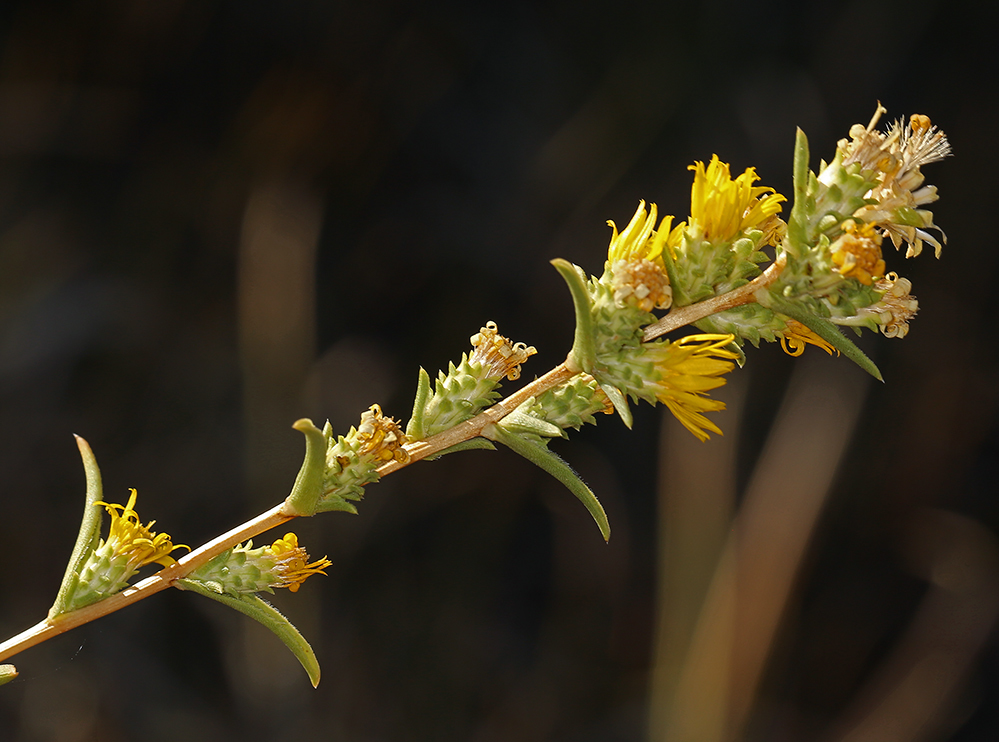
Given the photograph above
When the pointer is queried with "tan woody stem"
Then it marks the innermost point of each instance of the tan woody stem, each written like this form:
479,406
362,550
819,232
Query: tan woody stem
417,450
743,295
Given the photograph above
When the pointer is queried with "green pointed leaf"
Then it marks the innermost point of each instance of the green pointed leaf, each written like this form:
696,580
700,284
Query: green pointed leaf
260,610
7,673
308,486
90,530
416,429
620,402
469,445
550,462
584,352
823,328
797,229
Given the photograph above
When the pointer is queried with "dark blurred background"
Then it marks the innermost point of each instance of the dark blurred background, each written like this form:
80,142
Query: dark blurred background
217,217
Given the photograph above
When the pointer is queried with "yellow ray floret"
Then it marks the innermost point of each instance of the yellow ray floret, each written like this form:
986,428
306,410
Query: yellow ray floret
638,240
688,368
724,207
796,336
137,542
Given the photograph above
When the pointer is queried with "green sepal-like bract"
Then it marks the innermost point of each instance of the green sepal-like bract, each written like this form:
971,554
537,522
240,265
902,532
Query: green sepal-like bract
90,531
308,487
537,453
260,610
416,429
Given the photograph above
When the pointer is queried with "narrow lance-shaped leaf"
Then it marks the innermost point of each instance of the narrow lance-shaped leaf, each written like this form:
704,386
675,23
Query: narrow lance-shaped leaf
823,328
550,462
260,610
90,530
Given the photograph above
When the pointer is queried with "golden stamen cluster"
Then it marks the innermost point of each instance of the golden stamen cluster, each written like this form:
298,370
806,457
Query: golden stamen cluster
641,283
381,437
497,355
857,253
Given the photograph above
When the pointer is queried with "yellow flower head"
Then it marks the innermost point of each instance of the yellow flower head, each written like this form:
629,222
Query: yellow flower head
724,207
497,355
129,538
292,562
638,240
796,336
688,368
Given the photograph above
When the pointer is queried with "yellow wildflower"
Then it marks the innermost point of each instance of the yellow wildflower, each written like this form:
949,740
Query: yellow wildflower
292,565
129,538
688,368
724,207
638,240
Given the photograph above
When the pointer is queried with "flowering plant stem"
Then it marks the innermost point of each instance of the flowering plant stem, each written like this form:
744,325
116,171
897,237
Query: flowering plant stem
166,577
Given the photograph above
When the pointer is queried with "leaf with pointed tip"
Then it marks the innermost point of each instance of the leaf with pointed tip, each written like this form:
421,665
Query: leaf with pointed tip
823,328
797,230
90,530
260,610
308,487
584,352
550,462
